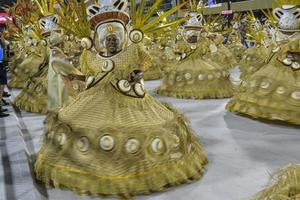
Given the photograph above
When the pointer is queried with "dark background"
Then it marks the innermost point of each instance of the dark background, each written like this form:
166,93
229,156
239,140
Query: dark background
5,2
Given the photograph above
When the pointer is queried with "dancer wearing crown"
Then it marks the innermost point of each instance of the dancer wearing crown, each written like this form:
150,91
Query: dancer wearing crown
34,96
194,76
29,53
273,92
114,138
255,57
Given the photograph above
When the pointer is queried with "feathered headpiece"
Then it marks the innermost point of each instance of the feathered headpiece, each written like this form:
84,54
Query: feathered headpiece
73,18
46,7
50,21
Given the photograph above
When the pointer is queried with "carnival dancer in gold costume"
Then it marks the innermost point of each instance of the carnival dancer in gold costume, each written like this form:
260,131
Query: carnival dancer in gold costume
29,60
255,57
34,96
273,92
64,60
114,138
195,77
217,51
234,40
29,53
159,46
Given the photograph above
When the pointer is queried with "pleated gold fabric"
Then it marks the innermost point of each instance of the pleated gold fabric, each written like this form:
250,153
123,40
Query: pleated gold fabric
26,64
284,185
253,59
33,97
197,78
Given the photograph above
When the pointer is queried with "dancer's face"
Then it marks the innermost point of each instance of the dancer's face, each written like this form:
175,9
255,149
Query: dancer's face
112,43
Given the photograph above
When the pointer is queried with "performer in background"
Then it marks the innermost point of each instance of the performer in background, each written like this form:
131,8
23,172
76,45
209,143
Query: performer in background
3,76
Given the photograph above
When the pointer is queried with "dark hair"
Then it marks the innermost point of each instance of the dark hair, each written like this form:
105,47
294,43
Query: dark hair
2,42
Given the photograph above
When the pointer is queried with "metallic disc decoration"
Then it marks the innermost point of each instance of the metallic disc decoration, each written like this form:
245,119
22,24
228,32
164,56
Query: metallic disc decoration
201,77
178,37
89,81
188,76
136,36
296,95
83,144
287,61
265,84
132,146
157,146
124,86
107,65
280,90
139,89
295,65
107,143
44,42
86,43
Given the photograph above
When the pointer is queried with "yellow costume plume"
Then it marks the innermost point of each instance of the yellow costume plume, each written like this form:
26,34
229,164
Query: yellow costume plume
141,21
73,18
46,7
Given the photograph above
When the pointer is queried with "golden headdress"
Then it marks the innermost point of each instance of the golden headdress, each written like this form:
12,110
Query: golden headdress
270,17
115,11
107,17
107,11
50,21
141,23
